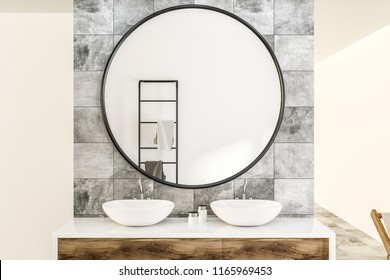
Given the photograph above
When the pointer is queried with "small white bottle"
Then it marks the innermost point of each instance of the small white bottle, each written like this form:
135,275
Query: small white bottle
193,217
202,210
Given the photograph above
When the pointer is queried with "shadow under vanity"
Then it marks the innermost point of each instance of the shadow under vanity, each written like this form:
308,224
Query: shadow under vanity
193,97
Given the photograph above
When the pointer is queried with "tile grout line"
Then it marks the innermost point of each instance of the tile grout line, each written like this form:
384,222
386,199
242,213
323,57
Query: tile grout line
93,34
274,167
274,27
83,71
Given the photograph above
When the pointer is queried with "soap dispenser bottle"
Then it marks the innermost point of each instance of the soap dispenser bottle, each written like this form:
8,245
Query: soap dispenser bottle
193,217
202,210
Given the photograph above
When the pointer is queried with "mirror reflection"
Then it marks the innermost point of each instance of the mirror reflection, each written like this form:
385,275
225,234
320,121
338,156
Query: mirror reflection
192,96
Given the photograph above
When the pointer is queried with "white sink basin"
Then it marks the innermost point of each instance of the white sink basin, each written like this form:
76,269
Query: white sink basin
252,212
138,212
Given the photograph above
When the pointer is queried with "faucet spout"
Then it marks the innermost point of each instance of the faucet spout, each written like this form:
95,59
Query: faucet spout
244,190
141,188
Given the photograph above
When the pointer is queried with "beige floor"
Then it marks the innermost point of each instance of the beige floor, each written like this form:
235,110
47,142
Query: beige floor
351,243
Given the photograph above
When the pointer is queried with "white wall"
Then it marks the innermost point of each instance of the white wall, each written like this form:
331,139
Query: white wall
36,162
36,6
352,135
352,99
340,23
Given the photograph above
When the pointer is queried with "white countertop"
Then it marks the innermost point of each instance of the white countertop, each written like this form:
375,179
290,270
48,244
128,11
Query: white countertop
179,228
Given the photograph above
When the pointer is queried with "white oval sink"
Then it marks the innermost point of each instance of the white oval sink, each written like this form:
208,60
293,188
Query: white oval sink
138,212
252,212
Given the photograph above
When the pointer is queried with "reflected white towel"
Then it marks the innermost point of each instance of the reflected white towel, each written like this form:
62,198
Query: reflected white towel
164,134
386,220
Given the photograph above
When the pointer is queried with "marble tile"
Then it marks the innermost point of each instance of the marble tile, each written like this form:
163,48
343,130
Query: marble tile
337,220
326,221
91,52
90,194
357,233
294,160
320,211
93,16
379,249
341,255
359,252
297,125
297,196
93,160
270,40
255,188
258,13
129,188
90,216
351,243
330,216
367,257
299,88
222,4
323,220
87,88
117,38
332,225
183,198
295,52
320,216
344,240
163,4
128,12
89,126
264,168
294,17
371,242
344,225
337,230
207,195
123,169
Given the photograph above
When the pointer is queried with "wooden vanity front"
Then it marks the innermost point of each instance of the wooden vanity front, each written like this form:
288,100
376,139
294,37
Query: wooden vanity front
174,239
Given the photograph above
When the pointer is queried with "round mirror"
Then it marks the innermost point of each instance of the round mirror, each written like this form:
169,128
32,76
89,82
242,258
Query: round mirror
192,96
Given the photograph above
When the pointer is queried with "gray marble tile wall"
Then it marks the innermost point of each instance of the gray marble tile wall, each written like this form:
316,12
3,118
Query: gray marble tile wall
284,174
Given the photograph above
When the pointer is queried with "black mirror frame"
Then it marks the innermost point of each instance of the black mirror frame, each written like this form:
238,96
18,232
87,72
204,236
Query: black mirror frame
127,34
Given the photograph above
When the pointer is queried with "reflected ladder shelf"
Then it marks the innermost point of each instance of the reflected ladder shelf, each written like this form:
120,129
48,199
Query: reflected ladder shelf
140,122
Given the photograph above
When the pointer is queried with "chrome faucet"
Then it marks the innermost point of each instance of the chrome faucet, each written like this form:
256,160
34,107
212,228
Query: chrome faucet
141,188
244,190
